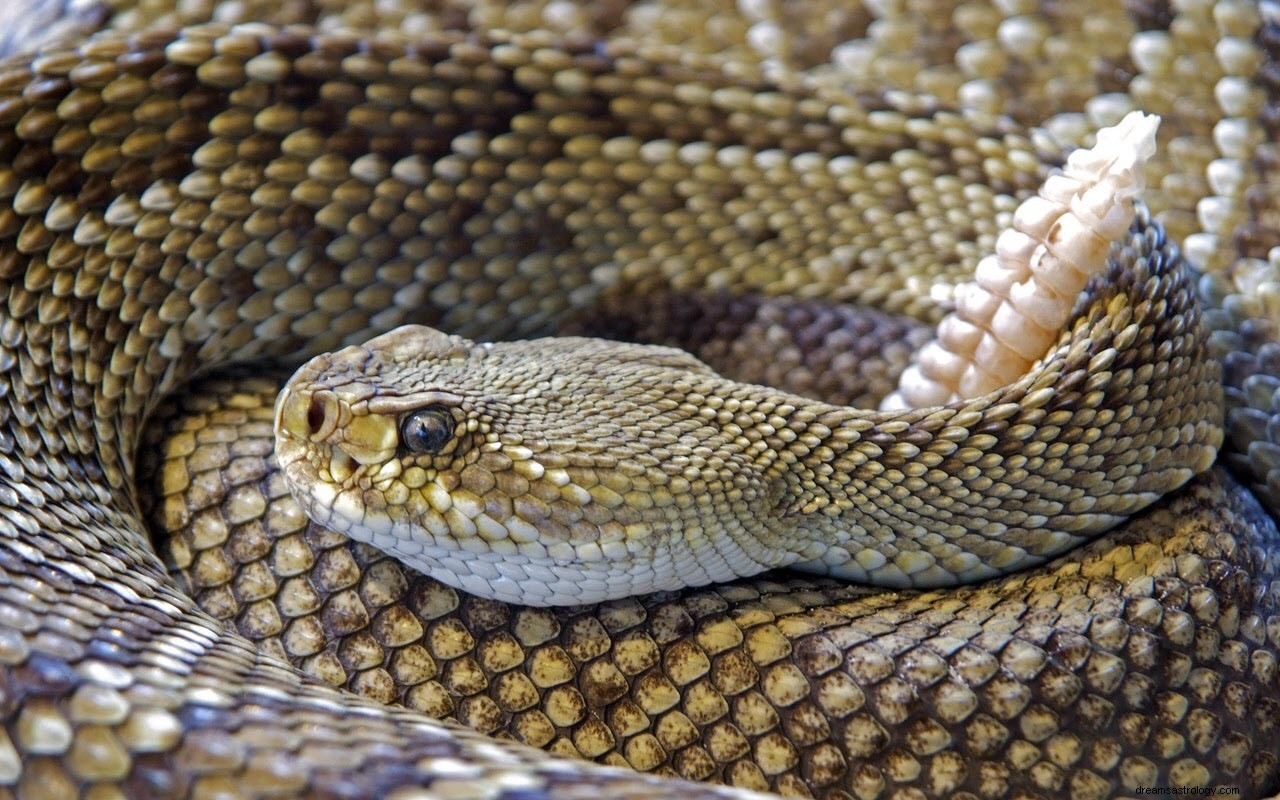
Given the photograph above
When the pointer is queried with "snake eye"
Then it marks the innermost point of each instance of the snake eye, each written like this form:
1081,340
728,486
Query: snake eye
427,430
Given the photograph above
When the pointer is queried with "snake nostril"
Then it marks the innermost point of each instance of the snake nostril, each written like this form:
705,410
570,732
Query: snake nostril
316,414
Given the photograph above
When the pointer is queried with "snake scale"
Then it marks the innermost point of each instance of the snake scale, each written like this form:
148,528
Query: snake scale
194,184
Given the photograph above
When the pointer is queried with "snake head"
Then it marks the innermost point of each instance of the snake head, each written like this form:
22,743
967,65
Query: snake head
547,472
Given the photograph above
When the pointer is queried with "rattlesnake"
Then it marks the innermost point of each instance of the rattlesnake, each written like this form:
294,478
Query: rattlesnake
179,198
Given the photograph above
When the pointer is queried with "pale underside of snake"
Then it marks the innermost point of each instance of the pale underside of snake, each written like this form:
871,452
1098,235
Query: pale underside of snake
180,195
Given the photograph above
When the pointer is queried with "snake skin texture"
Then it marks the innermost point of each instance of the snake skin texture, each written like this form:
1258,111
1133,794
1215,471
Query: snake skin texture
582,470
195,184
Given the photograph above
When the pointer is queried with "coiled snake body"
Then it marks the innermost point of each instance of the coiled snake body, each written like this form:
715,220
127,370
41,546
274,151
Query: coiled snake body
181,195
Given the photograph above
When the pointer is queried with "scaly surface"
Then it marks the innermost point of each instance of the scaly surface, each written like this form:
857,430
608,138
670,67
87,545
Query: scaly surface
567,470
179,194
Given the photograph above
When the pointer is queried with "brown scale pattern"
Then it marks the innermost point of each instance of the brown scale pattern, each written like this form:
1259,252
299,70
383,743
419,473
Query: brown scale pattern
1043,460
1064,680
172,198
